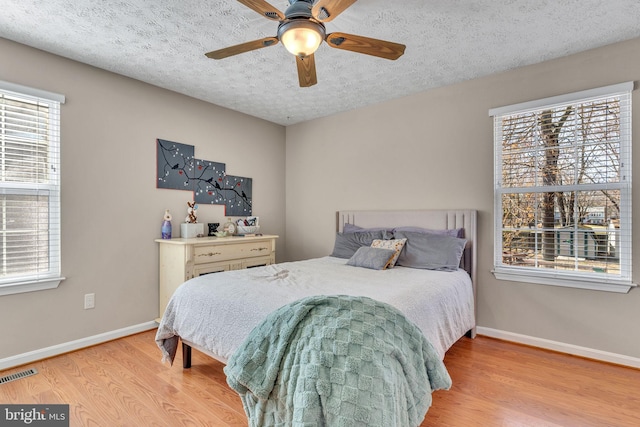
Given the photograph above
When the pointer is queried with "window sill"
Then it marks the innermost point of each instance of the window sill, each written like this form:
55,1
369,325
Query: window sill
607,285
30,286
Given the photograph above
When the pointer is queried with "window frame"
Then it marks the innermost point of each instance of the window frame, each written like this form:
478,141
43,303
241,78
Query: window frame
52,278
570,278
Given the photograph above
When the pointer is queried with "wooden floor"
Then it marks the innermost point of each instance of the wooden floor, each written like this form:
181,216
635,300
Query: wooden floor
123,383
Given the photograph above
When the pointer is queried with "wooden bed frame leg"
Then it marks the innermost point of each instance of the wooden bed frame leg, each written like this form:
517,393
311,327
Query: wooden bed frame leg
186,356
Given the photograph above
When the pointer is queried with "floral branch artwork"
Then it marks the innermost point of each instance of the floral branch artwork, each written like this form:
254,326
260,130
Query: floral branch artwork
178,169
237,193
175,165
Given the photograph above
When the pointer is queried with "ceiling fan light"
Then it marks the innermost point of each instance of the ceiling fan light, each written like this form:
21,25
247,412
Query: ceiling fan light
301,38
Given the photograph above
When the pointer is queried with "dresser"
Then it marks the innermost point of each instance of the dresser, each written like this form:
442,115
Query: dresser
183,259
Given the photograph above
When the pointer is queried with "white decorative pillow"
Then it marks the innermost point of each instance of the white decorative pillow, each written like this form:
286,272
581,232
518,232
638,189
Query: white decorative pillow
395,244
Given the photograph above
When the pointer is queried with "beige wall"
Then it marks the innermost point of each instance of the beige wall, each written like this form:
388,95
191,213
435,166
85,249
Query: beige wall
434,150
111,208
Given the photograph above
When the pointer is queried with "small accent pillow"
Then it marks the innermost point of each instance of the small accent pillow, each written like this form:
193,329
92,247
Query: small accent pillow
431,251
395,244
369,257
347,244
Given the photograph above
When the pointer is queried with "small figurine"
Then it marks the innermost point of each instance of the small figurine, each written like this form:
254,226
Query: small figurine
166,225
192,213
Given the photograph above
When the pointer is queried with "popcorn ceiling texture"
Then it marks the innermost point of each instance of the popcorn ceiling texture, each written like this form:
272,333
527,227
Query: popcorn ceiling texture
163,42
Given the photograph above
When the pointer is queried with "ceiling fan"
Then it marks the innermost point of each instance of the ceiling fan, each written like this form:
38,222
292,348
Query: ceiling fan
301,31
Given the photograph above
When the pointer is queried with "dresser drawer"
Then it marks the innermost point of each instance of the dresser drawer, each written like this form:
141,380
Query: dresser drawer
213,253
214,267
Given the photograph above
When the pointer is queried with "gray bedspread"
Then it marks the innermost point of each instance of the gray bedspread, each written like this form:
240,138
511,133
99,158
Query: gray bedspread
336,361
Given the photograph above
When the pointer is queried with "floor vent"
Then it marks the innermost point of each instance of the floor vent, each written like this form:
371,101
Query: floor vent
17,376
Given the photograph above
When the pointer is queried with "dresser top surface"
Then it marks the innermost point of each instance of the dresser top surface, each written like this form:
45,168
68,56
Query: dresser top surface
207,240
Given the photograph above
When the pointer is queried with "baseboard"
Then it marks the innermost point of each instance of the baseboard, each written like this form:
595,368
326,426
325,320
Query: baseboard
43,353
590,353
55,350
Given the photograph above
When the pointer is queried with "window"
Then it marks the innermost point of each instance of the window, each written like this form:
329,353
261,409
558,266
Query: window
29,189
562,190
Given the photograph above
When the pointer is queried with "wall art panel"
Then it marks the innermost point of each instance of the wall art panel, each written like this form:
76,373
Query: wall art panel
178,169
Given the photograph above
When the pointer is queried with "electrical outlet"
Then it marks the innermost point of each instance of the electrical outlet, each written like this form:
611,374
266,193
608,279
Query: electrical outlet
89,301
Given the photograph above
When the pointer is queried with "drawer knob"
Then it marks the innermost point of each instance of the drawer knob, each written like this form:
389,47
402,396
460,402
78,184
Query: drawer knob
259,249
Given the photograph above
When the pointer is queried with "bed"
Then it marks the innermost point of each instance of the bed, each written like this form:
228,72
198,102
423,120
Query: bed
220,314
216,323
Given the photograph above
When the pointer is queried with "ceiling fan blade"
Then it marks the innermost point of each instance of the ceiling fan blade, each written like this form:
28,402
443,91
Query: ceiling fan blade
264,9
326,10
242,48
366,45
306,70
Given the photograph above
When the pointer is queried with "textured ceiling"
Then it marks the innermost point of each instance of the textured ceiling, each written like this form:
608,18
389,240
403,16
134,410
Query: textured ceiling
163,42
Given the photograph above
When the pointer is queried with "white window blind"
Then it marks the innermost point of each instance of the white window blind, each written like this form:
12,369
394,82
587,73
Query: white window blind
29,189
562,190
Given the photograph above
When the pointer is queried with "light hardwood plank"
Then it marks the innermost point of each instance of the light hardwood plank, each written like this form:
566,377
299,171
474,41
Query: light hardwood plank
495,383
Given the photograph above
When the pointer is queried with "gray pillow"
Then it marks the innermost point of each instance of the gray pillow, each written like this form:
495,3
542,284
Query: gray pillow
430,251
347,244
350,228
374,258
453,232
